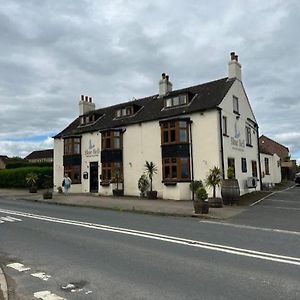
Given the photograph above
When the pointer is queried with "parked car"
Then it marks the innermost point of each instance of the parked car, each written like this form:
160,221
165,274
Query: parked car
297,178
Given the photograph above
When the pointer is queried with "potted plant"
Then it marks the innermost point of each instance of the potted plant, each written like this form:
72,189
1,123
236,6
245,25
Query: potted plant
31,180
59,190
212,181
48,183
150,170
201,205
117,179
194,185
230,190
143,185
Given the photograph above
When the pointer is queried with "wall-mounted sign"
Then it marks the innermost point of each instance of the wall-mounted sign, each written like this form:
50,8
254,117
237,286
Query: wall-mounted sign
237,143
92,150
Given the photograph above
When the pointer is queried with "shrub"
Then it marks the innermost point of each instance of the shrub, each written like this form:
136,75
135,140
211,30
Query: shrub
194,185
16,178
201,194
230,173
143,184
213,179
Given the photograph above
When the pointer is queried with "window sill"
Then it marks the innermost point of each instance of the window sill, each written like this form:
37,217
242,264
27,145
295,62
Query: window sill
175,181
105,183
248,145
236,113
226,135
170,183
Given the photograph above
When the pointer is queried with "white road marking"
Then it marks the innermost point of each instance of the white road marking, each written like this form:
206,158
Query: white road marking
47,295
275,230
9,219
41,275
19,267
280,207
170,239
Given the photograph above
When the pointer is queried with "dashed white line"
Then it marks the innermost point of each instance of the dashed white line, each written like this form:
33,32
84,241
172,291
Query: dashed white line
170,239
41,275
9,219
19,267
47,295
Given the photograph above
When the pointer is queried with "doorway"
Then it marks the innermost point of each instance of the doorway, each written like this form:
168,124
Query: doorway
94,177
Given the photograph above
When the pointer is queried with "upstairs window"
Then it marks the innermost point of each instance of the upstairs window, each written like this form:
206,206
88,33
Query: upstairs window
174,132
236,105
267,169
124,112
111,140
225,126
88,119
248,136
72,146
176,101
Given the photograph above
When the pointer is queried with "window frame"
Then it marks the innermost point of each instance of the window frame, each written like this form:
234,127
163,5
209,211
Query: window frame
177,162
224,125
248,136
111,168
169,102
110,137
124,112
173,129
267,165
254,168
70,144
71,171
235,104
244,164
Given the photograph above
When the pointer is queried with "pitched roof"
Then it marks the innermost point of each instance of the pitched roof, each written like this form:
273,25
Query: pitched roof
40,154
269,146
3,157
205,96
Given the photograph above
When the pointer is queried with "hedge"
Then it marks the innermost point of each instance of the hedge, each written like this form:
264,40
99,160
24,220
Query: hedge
24,164
16,178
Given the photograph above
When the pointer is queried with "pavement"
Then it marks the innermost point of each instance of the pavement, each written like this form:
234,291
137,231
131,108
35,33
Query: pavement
125,203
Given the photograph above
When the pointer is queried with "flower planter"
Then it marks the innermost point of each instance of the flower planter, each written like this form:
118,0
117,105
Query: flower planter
152,194
201,207
118,193
33,189
230,191
215,202
47,195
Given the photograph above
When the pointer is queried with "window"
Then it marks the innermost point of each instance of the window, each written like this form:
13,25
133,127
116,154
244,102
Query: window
231,163
244,165
225,126
235,105
124,112
174,132
72,146
176,168
176,101
110,169
111,140
267,169
74,172
248,136
254,168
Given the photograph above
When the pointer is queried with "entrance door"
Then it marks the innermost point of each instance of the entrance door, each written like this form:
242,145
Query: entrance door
94,177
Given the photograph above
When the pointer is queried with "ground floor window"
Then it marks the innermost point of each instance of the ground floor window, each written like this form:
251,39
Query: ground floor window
231,163
176,168
244,165
74,172
254,168
110,170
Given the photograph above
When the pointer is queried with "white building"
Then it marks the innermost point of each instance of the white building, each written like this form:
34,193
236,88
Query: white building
270,169
184,132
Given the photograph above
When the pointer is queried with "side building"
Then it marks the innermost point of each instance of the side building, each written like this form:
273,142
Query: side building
183,132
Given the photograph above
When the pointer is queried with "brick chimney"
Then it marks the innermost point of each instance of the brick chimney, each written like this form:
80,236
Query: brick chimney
86,105
165,85
234,68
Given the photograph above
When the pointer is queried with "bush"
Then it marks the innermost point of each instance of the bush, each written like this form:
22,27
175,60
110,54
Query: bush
201,194
194,185
24,164
16,178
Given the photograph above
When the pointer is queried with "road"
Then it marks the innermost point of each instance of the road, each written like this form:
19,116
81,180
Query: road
84,253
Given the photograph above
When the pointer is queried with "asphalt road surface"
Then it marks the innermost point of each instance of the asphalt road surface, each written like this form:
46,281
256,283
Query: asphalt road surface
59,252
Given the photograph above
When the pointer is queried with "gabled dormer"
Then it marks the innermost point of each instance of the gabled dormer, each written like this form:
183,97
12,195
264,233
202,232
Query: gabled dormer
177,100
127,110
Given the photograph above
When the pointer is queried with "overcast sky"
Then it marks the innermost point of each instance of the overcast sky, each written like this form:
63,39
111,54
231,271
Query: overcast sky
52,51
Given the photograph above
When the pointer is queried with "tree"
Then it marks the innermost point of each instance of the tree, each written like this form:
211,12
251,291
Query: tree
150,170
213,179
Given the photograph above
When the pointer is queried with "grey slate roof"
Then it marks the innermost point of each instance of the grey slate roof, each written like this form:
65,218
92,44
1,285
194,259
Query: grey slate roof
48,153
205,96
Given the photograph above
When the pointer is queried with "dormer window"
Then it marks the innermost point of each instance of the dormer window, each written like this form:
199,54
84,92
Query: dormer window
176,101
87,119
125,112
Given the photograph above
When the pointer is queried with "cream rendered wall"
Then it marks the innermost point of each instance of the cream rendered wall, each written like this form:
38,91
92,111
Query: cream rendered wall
141,142
90,151
235,123
274,168
58,168
206,144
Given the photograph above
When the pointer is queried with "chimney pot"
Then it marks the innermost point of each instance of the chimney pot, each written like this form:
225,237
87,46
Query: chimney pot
86,98
167,77
82,97
236,57
91,99
232,55
163,75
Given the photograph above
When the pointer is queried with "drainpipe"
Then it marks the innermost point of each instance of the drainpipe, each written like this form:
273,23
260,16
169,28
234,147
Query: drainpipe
192,158
259,164
221,142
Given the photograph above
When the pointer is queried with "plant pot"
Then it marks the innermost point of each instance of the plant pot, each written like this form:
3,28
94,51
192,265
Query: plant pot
118,193
230,191
201,207
33,189
215,202
47,195
152,194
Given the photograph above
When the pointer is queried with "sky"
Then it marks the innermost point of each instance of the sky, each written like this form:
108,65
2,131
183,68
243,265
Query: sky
52,51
